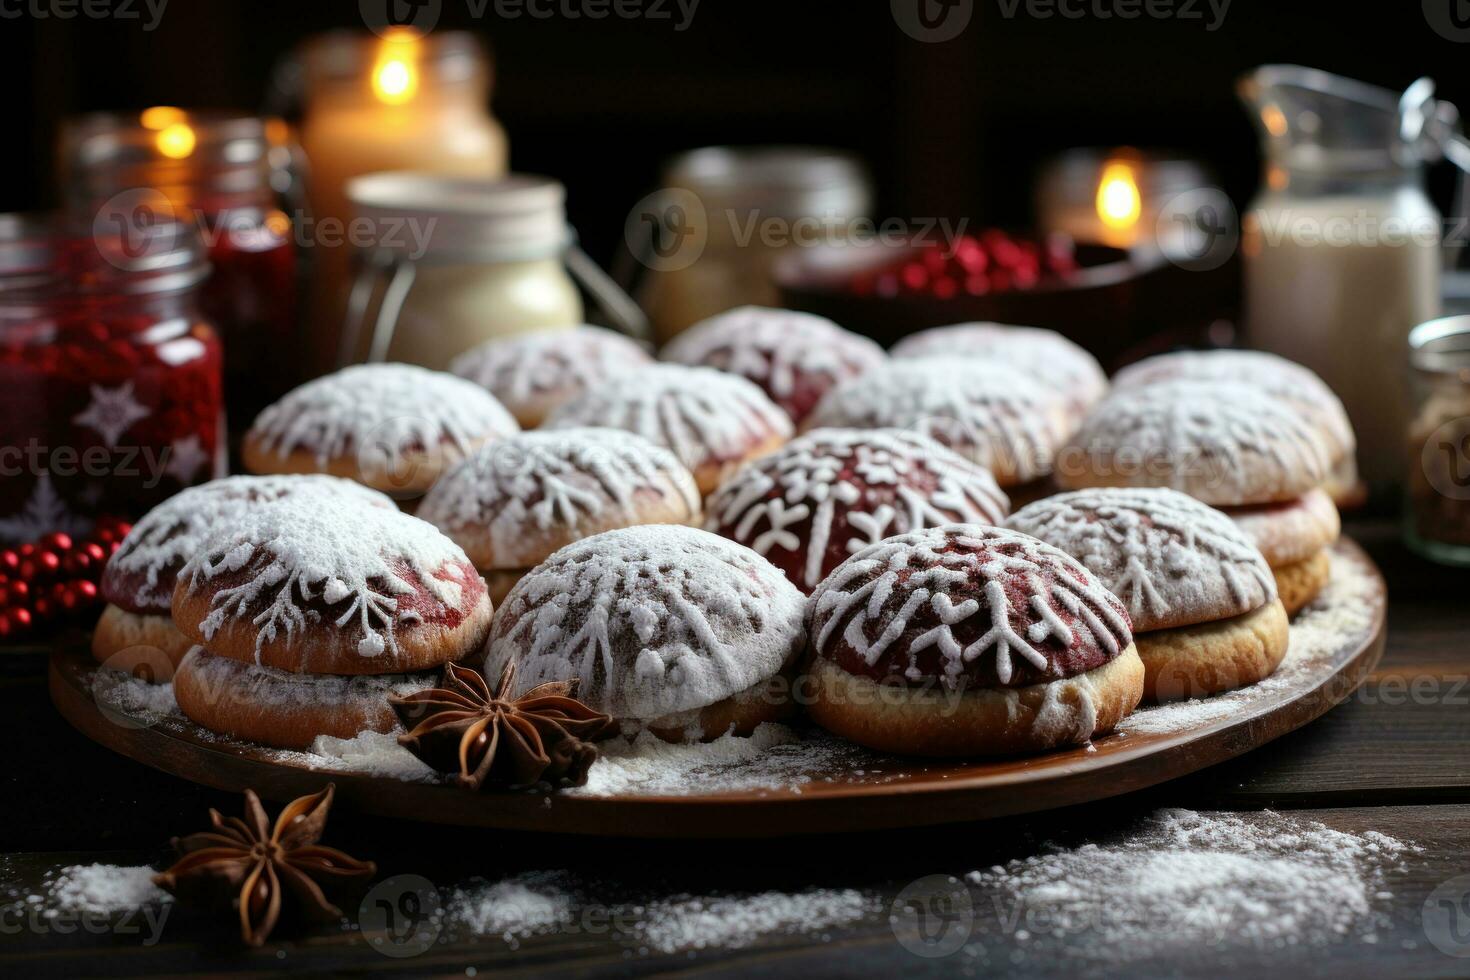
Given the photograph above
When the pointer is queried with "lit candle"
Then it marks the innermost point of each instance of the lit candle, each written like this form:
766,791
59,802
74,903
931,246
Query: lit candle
1111,197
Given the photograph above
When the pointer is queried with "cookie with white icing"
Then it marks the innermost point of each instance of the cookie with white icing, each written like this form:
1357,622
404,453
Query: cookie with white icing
1184,570
534,373
663,627
315,584
286,710
393,427
712,421
1043,353
796,358
1295,538
967,640
1007,421
832,492
138,581
1227,443
516,500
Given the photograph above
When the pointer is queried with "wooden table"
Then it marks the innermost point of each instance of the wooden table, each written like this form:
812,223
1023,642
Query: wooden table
1394,758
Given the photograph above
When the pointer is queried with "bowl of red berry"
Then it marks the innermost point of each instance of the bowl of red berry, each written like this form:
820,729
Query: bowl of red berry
1092,293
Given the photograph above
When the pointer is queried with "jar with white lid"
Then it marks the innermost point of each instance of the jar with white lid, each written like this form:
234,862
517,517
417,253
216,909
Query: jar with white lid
457,261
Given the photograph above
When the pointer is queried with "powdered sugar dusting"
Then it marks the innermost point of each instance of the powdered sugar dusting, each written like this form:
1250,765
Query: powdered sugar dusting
832,492
733,921
1345,609
378,412
1192,884
795,357
363,562
534,372
1172,560
982,411
372,753
101,889
702,415
651,620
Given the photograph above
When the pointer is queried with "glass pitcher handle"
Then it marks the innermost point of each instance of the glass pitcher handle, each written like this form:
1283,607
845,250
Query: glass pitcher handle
620,309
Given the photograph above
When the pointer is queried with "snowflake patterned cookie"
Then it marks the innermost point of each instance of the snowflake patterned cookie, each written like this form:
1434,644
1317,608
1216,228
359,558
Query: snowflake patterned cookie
534,373
517,500
665,626
315,583
1005,420
1286,380
795,357
969,640
393,427
1044,354
713,421
832,492
1172,560
1226,443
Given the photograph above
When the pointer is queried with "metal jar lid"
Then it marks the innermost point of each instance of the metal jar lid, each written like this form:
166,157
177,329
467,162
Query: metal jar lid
1442,346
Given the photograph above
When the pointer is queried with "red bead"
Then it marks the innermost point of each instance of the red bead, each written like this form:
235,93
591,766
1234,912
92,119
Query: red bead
76,563
27,569
914,275
112,547
85,591
94,551
944,287
10,560
20,619
57,541
19,591
106,535
48,561
977,285
123,529
26,550
41,609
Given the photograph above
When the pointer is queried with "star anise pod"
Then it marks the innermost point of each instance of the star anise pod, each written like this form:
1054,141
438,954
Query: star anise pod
250,863
496,740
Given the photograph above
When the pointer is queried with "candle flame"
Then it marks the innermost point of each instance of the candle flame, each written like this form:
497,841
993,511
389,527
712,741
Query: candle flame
161,117
1118,202
396,76
176,141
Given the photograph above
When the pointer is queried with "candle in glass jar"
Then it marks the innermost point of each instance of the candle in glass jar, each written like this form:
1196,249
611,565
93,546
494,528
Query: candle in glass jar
1112,197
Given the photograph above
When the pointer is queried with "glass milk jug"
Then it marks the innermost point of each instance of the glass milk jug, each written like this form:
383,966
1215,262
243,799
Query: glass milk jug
1342,249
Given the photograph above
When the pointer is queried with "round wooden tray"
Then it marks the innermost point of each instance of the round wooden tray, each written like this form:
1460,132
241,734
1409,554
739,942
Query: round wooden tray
908,793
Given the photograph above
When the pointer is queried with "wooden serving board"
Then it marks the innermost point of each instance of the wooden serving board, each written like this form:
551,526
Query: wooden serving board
908,793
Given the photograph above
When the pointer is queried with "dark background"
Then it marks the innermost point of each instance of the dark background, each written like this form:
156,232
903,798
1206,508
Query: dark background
950,129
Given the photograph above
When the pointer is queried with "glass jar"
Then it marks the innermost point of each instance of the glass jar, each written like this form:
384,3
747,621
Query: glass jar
110,389
459,261
226,174
726,199
1437,498
401,102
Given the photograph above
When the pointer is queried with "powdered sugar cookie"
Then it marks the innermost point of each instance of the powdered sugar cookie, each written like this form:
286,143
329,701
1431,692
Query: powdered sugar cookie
1044,354
285,710
515,501
832,492
393,427
1177,565
534,373
138,582
794,357
1226,443
713,421
1294,537
310,585
969,640
1009,423
665,627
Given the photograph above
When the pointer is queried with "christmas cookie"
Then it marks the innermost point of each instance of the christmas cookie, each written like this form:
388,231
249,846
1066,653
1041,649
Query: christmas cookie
286,710
966,640
1009,422
667,628
832,492
517,500
533,373
315,584
795,357
1295,538
1044,354
138,581
393,427
1200,596
1226,443
714,422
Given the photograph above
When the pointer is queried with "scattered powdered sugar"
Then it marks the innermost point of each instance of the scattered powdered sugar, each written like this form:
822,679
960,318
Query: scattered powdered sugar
378,412
773,757
651,620
528,904
135,698
1172,560
371,753
92,888
1194,884
730,921
1341,614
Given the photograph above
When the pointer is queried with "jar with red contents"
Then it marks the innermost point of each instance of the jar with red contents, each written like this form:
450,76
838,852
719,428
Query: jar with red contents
226,174
110,376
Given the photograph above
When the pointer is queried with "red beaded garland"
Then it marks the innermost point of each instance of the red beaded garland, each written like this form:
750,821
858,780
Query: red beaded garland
54,579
